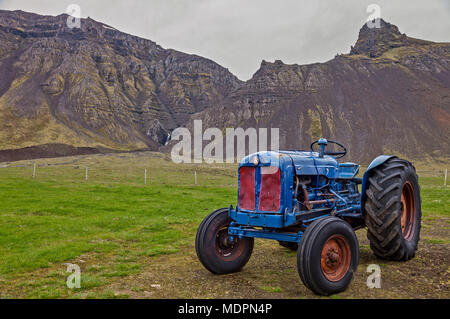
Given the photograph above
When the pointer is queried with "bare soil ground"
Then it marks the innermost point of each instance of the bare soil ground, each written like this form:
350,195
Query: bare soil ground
44,151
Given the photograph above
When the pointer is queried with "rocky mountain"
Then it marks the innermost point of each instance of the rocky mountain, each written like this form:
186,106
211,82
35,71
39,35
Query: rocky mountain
391,94
96,88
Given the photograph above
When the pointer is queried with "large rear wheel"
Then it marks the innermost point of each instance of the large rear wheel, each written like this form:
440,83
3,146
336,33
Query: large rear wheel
215,250
393,211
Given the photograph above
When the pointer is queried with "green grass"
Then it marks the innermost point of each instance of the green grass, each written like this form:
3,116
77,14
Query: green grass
438,241
435,196
112,225
43,222
270,289
59,216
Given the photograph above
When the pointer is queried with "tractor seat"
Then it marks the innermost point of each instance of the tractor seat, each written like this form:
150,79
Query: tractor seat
348,170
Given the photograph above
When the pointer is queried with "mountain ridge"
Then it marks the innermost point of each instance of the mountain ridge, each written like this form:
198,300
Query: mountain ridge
388,95
86,80
98,87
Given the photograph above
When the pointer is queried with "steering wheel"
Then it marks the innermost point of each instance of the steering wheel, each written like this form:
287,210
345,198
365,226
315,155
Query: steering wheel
336,154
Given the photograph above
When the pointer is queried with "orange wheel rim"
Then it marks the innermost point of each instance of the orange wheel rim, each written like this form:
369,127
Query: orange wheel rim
225,249
335,258
408,211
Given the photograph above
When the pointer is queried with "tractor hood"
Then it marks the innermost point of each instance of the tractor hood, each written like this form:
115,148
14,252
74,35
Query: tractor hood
305,163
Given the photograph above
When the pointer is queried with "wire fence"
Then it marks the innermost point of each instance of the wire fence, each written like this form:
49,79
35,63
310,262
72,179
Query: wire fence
140,169
136,171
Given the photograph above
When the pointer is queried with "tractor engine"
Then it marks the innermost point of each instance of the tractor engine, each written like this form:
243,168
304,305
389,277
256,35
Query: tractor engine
297,184
320,194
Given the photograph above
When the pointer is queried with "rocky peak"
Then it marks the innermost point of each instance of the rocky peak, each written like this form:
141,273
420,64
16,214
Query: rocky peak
375,39
33,26
270,67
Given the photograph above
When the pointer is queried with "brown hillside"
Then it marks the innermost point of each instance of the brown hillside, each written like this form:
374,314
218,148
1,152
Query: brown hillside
96,86
391,94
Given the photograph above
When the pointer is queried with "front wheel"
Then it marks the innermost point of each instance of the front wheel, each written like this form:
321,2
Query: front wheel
328,255
215,250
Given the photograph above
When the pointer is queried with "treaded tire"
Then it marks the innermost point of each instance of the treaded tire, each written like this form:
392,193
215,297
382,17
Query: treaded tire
213,249
312,263
392,220
289,245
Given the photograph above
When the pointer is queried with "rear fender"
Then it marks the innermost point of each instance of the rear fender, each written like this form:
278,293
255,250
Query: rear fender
375,163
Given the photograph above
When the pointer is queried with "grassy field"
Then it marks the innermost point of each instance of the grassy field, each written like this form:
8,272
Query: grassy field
136,240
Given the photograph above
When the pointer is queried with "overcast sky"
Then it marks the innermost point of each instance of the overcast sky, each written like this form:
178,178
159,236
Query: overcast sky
239,34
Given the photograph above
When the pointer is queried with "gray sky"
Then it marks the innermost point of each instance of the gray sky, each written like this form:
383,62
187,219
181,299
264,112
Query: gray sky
238,34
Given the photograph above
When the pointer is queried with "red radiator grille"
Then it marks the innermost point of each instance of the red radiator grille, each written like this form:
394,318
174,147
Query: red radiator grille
269,196
247,188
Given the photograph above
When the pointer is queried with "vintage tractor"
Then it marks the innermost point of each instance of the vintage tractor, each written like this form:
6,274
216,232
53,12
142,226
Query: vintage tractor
309,202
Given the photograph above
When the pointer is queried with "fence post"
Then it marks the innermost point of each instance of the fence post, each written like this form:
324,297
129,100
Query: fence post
86,173
445,178
145,177
195,177
34,170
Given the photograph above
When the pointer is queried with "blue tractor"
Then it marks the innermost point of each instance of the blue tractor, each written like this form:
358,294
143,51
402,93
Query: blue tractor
311,203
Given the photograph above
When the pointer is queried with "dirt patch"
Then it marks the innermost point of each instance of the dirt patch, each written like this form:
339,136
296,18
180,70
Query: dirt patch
46,151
